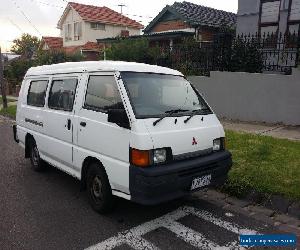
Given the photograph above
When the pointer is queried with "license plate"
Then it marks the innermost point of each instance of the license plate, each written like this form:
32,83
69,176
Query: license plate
201,182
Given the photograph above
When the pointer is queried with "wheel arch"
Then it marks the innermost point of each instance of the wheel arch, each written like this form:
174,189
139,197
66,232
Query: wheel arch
85,167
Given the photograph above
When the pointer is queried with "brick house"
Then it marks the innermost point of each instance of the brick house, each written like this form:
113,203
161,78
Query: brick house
80,25
185,19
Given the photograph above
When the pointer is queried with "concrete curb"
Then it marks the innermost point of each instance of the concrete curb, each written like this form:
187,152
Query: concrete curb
273,217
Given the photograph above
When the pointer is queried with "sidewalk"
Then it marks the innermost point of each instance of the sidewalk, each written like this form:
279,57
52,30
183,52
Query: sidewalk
274,130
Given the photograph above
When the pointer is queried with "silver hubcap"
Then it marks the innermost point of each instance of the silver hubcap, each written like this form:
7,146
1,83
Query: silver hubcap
97,187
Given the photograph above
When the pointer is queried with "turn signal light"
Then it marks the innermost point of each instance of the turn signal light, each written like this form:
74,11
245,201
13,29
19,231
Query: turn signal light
140,158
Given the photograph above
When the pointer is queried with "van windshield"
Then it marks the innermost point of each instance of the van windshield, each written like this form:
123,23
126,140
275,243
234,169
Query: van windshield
155,95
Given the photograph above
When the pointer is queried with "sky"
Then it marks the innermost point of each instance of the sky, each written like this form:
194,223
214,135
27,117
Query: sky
40,17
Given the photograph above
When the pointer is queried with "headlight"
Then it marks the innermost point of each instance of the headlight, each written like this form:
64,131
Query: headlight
159,156
147,158
219,144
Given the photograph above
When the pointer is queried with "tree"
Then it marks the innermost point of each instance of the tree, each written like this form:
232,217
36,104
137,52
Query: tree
17,69
56,56
26,45
3,87
137,50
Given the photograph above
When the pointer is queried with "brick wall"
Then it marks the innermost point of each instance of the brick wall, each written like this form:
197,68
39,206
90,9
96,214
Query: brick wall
207,35
170,25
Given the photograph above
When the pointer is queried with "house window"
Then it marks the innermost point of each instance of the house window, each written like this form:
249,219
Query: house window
270,11
68,32
295,11
77,31
293,27
294,17
98,26
269,16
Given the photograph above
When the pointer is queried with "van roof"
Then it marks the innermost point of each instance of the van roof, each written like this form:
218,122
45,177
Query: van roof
88,66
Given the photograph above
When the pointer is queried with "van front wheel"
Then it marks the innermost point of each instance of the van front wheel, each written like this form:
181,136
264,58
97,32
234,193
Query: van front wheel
98,189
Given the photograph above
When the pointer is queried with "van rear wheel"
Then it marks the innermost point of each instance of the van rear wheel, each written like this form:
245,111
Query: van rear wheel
98,189
36,162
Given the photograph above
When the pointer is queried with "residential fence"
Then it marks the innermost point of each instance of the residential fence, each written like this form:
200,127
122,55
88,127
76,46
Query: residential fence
270,98
244,53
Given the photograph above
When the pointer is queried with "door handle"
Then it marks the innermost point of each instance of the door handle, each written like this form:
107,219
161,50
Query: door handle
83,124
69,124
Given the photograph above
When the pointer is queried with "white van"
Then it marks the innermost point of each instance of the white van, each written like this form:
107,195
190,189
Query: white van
137,131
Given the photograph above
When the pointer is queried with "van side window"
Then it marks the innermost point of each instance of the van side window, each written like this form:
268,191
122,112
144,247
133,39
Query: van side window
102,94
36,93
62,94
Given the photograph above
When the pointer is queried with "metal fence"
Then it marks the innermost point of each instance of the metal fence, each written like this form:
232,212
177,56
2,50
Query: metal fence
251,53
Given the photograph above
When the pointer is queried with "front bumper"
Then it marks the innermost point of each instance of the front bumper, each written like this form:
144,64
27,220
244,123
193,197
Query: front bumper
157,184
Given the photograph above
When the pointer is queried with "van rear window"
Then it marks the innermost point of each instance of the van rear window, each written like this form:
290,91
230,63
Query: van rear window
62,94
36,93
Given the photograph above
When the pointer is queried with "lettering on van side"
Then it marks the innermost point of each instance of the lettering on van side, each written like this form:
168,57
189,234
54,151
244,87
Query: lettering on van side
34,122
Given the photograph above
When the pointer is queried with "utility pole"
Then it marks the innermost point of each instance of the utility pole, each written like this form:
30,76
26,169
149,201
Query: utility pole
3,87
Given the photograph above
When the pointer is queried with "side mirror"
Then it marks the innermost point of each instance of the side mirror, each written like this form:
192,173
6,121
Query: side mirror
119,117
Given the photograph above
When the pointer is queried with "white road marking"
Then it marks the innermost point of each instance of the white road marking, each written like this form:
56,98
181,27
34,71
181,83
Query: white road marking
217,221
133,237
190,236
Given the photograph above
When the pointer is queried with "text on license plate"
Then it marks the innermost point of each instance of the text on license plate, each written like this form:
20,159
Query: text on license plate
201,182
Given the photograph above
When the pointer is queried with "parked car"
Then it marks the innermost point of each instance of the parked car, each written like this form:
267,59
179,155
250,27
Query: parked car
137,131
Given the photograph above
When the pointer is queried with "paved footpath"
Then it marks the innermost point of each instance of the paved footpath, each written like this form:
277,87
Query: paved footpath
274,130
48,211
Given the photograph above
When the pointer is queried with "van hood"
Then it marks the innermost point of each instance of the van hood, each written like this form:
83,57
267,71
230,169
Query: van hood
195,135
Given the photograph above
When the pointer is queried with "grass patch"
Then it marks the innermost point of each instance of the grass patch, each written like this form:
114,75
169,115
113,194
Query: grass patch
264,164
8,100
10,111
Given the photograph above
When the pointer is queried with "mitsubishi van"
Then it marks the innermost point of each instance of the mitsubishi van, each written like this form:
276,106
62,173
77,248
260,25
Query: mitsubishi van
137,131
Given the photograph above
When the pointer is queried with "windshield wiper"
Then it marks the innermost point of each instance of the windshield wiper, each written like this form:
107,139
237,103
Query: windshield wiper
196,112
169,113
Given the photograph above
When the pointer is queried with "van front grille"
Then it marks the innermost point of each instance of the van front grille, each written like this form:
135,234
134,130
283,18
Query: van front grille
191,155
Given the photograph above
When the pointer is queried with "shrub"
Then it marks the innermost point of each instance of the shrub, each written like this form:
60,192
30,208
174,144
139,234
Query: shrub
137,50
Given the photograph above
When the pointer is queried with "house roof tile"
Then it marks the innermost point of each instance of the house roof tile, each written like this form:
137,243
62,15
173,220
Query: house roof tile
87,46
53,42
201,15
196,15
103,14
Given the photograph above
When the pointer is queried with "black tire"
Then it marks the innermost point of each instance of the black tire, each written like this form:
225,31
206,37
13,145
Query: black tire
98,189
37,163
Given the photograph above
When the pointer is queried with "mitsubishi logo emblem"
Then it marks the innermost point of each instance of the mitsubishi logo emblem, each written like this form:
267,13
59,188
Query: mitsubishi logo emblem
194,142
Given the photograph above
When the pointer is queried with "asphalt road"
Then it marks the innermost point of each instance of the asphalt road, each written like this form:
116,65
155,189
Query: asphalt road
48,211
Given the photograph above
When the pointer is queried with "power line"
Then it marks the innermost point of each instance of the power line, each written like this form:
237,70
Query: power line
148,17
22,12
48,4
14,24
